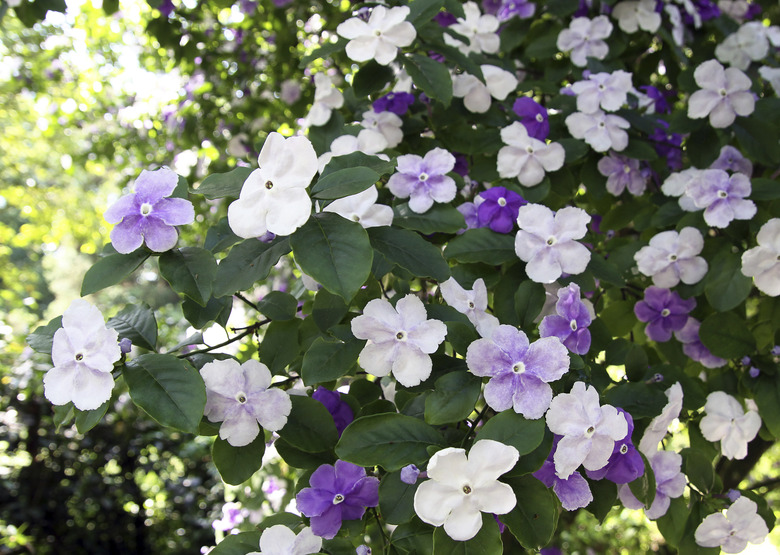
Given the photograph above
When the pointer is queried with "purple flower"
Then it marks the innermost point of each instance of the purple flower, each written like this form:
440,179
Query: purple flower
622,173
694,348
520,8
664,311
461,165
723,197
626,464
232,516
396,102
658,97
340,411
148,214
338,492
731,159
166,8
125,345
667,145
571,321
498,209
409,474
519,372
574,491
424,180
470,214
445,19
533,116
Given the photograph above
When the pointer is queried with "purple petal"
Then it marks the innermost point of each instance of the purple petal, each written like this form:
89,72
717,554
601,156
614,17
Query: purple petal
126,235
174,211
532,397
159,236
324,478
313,502
328,524
499,392
152,186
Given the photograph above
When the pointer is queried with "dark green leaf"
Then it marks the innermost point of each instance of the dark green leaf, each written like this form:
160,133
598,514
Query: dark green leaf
343,183
482,245
765,189
62,416
358,159
759,139
370,78
604,497
725,285
326,361
410,251
727,335
277,305
237,464
605,270
280,345
698,468
88,419
216,310
111,270
220,237
430,76
534,518
223,185
619,317
422,11
190,271
486,542
513,429
310,426
672,524
644,487
441,218
529,300
301,459
453,398
767,397
41,338
247,263
238,544
328,309
138,324
575,149
396,499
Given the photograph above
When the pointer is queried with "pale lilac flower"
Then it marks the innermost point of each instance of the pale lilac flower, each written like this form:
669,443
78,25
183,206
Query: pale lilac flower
527,158
694,348
533,116
523,9
362,208
635,15
363,550
409,474
749,44
600,130
589,430
772,76
83,351
546,241
573,491
423,180
460,488
727,422
125,345
622,173
762,262
671,257
232,516
519,371
273,197
607,91
733,531
326,99
678,184
290,91
380,37
338,492
280,540
670,483
479,29
659,426
498,209
149,214
724,94
339,409
386,123
731,159
571,321
723,197
664,311
472,303
400,339
626,464
240,396
584,38
470,211
476,94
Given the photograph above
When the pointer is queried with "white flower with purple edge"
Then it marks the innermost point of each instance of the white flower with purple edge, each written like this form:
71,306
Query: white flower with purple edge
83,351
732,531
380,37
762,263
149,214
546,241
600,130
423,180
607,91
584,39
724,94
280,540
671,257
519,371
240,396
473,303
722,196
727,422
400,339
527,158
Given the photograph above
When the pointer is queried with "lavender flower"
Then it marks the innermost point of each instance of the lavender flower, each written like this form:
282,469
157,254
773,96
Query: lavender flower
626,464
723,197
694,348
658,97
498,209
533,116
664,311
573,491
523,9
148,214
622,173
670,483
232,516
409,474
667,145
671,257
570,323
338,492
731,159
340,411
396,102
423,180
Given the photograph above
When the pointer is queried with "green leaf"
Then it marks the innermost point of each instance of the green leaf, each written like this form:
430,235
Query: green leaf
574,148
430,76
482,245
698,469
441,218
619,317
767,396
396,499
343,183
88,419
278,305
727,335
412,538
238,544
423,11
641,150
41,338
62,415
534,518
725,285
247,263
604,497
529,301
486,542
335,252
216,310
138,324
223,185
324,51
605,270
190,271
389,440
453,398
326,361
168,389
672,524
758,139
310,426
237,464
301,459
111,270
370,78
220,237
764,188
513,429
328,309
280,345
644,487
358,159
410,251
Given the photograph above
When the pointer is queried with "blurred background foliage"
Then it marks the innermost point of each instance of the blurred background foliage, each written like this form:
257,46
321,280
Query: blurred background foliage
91,93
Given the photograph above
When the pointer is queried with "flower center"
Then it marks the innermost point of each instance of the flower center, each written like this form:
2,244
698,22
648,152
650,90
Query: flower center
589,432
401,336
623,449
722,194
269,185
241,397
146,209
665,312
539,118
378,33
338,498
467,489
626,169
722,92
672,257
529,150
602,124
79,357
471,304
551,241
602,87
355,218
518,368
423,176
573,325
501,201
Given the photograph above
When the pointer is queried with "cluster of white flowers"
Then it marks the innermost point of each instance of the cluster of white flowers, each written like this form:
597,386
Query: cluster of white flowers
476,94
480,30
584,38
749,44
598,94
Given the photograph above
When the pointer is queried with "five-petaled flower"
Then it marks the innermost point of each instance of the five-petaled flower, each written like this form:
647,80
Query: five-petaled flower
280,540
727,422
571,321
424,180
724,94
380,37
734,530
671,257
527,158
762,263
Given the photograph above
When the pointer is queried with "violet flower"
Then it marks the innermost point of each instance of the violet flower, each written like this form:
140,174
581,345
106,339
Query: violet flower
570,323
445,19
424,180
658,97
667,145
574,491
511,8
731,159
396,102
498,209
694,348
533,116
340,411
626,464
622,173
664,311
338,492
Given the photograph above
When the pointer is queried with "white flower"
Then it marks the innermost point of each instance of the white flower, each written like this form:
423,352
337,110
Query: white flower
387,124
479,29
671,257
584,39
472,303
762,263
601,131
659,425
326,99
605,90
677,185
632,16
546,241
771,74
274,196
240,396
280,540
527,158
461,488
749,44
400,339
362,208
476,94
727,422
589,431
380,38
732,532
83,352
724,94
